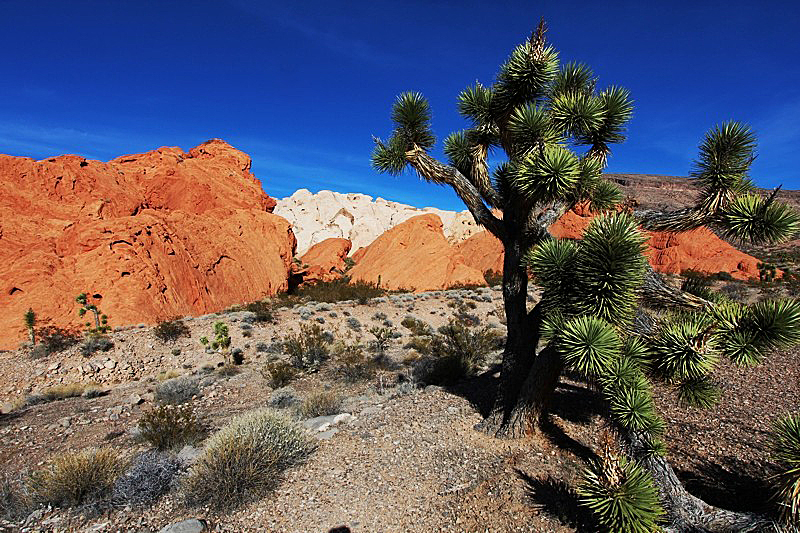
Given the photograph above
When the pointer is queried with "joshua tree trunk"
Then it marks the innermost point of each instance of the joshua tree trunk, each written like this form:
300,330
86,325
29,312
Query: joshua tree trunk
32,336
527,380
688,512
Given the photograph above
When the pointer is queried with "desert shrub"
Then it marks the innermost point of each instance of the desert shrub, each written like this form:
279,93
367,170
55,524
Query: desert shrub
283,397
175,351
237,356
14,501
308,348
454,353
74,478
228,370
383,336
170,426
353,323
244,460
171,330
353,364
416,326
263,311
150,476
379,316
339,290
279,374
53,340
177,390
421,344
96,343
320,404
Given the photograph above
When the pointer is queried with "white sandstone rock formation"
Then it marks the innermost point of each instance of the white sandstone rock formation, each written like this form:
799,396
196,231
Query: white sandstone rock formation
316,217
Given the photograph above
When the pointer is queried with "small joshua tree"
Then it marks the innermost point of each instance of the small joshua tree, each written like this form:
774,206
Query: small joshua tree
30,322
602,310
100,320
221,340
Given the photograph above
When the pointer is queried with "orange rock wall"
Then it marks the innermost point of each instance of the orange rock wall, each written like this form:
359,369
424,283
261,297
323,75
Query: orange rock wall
325,260
415,255
157,234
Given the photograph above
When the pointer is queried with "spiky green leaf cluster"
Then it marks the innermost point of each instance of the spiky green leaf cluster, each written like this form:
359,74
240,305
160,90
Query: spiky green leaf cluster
685,347
786,450
750,217
725,156
589,345
547,175
611,267
622,495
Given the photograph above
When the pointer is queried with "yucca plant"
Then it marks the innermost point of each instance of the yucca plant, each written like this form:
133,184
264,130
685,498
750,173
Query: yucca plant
786,449
551,127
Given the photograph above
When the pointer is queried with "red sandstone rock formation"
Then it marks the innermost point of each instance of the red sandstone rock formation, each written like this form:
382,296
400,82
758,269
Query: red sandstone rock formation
325,260
483,251
415,255
157,234
672,253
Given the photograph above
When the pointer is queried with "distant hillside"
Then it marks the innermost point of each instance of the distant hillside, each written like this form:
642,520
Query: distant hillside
671,192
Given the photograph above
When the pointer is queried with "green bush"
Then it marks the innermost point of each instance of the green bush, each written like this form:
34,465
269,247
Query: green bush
96,343
55,340
308,348
74,478
455,352
320,404
416,326
353,365
170,426
171,330
339,290
279,374
244,461
263,311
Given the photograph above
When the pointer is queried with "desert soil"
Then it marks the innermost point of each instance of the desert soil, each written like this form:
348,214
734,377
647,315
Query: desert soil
409,460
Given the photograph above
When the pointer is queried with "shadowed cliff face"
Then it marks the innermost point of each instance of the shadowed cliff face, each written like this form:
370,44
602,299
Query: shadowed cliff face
157,234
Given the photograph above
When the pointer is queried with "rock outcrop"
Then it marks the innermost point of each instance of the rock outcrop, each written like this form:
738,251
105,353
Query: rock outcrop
482,251
325,261
154,235
415,255
672,253
358,218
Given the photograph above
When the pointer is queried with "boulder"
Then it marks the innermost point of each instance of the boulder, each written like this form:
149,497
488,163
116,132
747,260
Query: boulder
415,255
482,251
153,235
325,260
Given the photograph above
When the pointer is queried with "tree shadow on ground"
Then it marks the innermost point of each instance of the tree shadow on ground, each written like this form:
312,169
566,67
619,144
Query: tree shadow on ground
559,438
731,483
556,498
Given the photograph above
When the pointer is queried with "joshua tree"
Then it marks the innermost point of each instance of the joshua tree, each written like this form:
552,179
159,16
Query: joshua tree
100,320
604,312
30,322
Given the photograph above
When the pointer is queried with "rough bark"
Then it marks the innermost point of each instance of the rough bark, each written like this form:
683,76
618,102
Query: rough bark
688,513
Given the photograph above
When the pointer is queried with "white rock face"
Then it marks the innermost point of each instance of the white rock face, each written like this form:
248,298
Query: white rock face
316,217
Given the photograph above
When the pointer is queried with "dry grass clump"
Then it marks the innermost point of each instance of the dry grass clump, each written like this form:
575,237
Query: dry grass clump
320,404
75,478
416,326
177,391
170,426
14,499
58,392
244,460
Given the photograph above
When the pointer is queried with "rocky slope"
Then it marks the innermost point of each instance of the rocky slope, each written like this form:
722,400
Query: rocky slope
358,218
151,235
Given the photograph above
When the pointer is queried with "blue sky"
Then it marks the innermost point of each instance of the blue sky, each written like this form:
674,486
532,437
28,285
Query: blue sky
302,86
